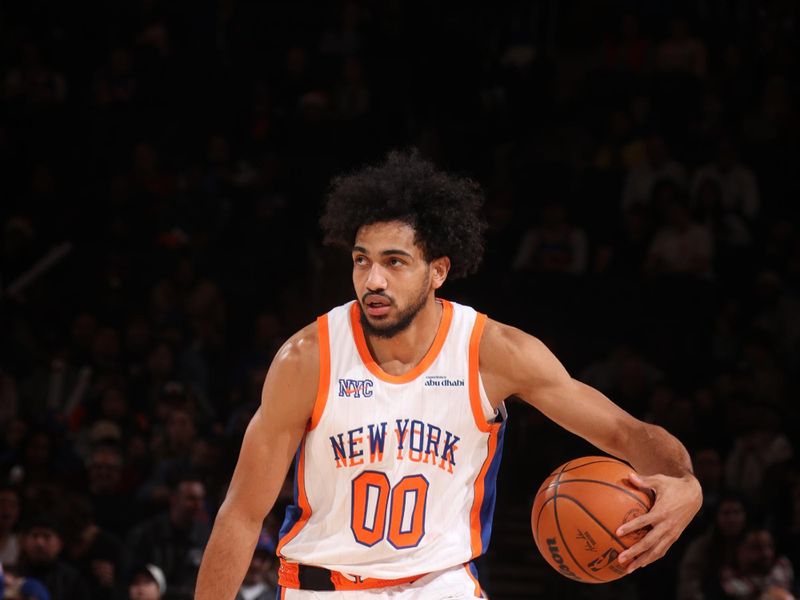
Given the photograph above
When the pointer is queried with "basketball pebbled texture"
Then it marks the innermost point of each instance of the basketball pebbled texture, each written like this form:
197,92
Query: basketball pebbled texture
576,513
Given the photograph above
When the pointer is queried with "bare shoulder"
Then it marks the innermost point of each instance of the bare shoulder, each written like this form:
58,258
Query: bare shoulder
300,352
502,345
293,377
511,360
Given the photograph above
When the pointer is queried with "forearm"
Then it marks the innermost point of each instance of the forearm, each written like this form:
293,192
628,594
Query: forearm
651,450
227,556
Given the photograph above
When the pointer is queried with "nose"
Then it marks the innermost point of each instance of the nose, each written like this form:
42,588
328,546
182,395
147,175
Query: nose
376,280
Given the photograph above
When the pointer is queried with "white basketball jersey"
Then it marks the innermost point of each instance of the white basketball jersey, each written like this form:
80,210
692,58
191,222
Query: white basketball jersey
395,475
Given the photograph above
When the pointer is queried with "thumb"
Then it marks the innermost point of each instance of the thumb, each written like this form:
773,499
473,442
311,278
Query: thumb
646,483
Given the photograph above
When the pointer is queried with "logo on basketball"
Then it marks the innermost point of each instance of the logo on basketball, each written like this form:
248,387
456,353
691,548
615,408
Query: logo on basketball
630,516
604,560
588,541
555,553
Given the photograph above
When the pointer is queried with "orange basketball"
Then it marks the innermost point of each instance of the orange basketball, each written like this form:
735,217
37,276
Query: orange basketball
576,514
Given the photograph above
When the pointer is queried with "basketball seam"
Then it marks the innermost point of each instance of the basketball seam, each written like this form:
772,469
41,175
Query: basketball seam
596,520
558,523
620,488
594,462
561,534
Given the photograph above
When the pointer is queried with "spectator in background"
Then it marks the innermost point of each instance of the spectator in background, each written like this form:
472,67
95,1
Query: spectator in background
682,52
736,181
352,96
776,119
97,554
758,447
345,39
33,82
173,448
14,587
658,166
115,83
113,407
147,583
625,375
37,460
42,543
729,229
174,540
757,570
707,464
629,50
622,148
680,246
623,256
554,246
111,503
9,401
778,317
181,433
788,527
9,519
708,553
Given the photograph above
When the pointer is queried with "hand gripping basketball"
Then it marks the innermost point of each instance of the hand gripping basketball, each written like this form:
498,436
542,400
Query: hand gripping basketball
677,501
577,514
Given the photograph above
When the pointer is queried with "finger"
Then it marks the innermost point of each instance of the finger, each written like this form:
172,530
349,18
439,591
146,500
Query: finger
645,558
648,483
639,522
640,547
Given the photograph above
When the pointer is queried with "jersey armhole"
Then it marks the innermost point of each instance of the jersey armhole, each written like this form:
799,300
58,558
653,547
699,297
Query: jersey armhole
476,391
490,413
323,339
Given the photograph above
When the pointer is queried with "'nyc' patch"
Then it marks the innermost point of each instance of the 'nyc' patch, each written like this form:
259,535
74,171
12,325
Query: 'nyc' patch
355,388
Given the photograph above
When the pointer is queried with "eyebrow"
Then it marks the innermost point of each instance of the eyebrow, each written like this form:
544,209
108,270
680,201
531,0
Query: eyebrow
391,251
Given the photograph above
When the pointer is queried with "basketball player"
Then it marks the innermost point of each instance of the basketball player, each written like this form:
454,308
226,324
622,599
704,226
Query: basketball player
392,406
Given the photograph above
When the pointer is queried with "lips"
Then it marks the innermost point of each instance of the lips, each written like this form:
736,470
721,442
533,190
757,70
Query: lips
376,305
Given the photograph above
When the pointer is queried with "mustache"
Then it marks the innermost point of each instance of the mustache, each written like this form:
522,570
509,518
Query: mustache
381,294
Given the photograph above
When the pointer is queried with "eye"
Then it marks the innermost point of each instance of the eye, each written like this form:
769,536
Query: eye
396,262
360,260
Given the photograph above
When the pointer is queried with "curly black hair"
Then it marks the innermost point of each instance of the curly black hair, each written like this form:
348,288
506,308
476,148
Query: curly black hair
444,210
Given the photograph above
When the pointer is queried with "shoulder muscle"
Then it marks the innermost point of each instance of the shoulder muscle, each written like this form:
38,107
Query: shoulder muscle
290,387
513,362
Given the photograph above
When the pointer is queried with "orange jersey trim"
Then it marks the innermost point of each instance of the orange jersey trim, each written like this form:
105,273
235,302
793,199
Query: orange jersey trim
478,593
302,500
427,360
289,577
324,371
474,373
477,502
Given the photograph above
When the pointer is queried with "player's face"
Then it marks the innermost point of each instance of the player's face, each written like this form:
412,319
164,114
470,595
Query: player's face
392,279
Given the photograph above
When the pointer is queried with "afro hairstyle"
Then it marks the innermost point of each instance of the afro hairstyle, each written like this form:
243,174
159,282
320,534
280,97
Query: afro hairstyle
443,210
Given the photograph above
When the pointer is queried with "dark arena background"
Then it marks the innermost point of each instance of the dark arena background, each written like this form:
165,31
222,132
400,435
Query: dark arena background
164,165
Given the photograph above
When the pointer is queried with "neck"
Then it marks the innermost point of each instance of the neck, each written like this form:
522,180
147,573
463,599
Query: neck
399,354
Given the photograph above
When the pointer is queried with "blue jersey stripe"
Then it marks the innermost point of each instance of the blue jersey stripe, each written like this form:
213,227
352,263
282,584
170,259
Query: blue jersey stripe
490,491
293,511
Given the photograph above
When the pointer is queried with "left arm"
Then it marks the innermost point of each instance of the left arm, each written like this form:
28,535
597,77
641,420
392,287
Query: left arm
514,363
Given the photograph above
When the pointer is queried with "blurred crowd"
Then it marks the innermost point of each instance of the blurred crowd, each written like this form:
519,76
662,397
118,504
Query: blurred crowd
165,164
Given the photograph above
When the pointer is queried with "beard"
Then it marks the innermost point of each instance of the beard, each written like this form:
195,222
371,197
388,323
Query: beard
404,319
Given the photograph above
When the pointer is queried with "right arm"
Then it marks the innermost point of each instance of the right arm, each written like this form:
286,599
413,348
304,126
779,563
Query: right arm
269,444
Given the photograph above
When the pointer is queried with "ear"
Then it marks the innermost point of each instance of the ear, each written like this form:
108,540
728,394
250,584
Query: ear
440,267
